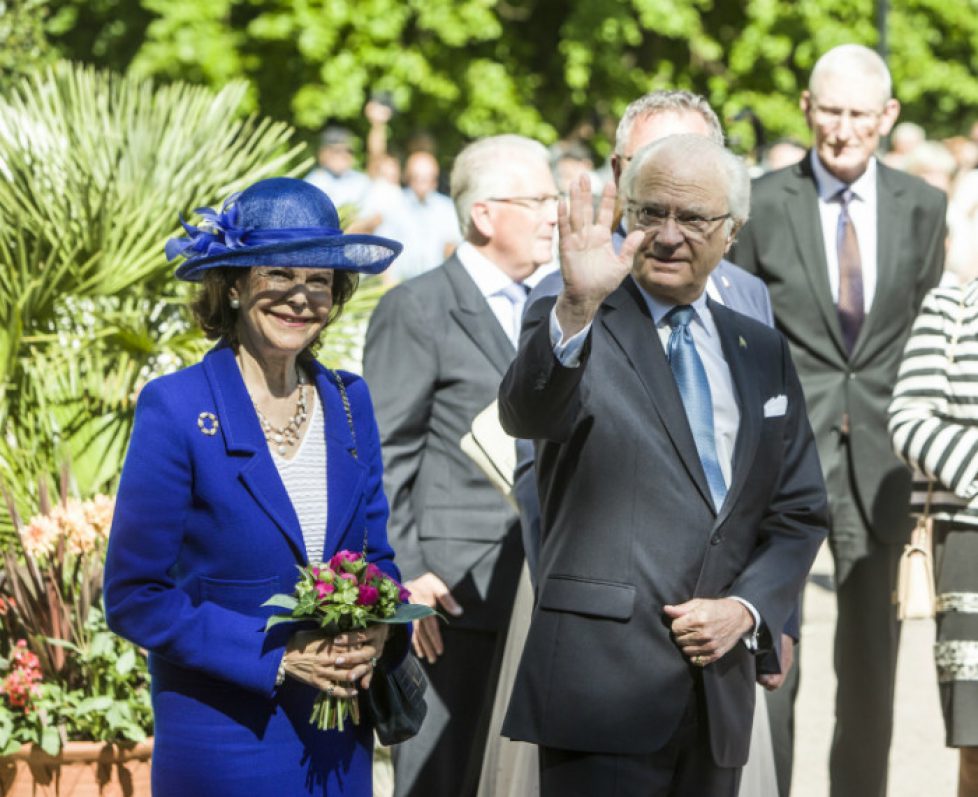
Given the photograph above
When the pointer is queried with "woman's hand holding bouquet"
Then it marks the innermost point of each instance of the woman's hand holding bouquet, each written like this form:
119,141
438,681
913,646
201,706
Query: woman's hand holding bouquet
349,603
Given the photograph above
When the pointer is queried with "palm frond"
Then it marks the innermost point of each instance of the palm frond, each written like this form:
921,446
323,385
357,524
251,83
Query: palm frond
94,170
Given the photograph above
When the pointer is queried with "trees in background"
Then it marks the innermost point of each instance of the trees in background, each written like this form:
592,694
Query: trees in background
464,68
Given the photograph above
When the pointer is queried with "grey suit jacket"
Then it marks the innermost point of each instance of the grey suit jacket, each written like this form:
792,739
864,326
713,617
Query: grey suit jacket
782,244
629,526
434,357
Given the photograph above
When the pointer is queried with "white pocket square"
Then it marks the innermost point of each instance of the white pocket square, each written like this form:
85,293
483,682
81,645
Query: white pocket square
776,406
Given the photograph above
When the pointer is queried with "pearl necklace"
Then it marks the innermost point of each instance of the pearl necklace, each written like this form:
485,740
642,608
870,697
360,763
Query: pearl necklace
288,435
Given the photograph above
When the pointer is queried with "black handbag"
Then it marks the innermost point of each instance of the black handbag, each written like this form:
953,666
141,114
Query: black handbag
396,697
396,700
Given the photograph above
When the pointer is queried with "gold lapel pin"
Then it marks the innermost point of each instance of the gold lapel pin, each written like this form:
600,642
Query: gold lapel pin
207,423
743,343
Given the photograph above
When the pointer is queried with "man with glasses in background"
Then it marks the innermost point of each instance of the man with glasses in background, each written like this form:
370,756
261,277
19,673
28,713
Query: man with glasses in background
436,349
848,247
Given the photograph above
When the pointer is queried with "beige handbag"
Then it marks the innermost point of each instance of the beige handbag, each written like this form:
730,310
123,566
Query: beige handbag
916,593
915,585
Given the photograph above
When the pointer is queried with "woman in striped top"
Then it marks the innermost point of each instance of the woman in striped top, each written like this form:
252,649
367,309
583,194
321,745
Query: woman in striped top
934,427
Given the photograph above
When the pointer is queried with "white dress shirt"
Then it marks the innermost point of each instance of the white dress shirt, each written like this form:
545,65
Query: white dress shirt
862,211
506,298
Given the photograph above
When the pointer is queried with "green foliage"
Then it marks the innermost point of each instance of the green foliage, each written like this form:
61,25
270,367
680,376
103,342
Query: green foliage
23,44
465,68
96,168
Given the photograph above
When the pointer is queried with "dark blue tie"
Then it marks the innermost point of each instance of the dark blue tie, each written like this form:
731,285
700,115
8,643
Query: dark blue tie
690,375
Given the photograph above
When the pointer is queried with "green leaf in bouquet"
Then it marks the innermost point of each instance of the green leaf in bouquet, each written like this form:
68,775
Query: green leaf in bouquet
278,619
281,602
409,613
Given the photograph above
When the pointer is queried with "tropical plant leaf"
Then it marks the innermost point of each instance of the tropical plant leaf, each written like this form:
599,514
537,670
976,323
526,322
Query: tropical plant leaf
94,169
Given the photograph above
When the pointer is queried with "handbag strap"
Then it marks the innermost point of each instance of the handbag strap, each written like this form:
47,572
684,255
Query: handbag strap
353,433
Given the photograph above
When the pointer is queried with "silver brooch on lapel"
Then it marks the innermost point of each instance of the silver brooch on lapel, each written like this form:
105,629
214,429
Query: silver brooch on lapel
207,423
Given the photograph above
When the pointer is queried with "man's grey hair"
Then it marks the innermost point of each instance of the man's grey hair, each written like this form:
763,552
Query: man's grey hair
848,60
666,101
689,148
488,168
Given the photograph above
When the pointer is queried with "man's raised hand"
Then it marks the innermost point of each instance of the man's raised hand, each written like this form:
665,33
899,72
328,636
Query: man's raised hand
588,263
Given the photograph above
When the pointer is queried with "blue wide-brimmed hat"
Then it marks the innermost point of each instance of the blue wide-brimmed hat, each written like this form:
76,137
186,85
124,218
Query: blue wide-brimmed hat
280,221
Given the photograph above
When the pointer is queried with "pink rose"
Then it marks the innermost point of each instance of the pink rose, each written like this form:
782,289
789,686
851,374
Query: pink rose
349,577
372,572
368,595
342,558
323,589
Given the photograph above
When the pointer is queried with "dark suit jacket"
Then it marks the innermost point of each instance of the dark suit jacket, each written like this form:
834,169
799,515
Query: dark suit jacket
740,291
783,245
629,526
434,357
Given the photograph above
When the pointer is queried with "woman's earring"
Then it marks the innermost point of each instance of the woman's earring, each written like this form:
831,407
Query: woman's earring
235,302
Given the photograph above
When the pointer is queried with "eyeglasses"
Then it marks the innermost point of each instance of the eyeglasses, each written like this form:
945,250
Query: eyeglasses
861,121
535,203
318,284
652,217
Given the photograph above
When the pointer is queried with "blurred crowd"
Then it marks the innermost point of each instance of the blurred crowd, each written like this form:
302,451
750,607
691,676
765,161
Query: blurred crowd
400,192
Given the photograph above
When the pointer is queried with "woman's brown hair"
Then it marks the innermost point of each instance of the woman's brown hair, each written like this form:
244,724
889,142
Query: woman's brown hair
212,309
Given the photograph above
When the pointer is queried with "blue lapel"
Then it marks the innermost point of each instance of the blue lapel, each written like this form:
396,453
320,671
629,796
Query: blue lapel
243,436
345,475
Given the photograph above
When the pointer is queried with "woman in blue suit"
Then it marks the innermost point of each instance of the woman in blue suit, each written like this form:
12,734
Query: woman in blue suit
240,468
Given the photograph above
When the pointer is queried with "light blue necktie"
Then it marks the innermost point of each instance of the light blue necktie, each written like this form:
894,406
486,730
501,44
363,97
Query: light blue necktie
690,375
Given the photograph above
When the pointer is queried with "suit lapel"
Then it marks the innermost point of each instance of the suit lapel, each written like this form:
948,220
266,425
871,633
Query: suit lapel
631,326
736,351
476,318
243,437
345,473
804,217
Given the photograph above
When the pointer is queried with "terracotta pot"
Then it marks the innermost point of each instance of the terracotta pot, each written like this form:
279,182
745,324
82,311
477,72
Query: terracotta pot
84,769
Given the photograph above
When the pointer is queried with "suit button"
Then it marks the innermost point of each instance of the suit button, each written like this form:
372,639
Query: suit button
715,539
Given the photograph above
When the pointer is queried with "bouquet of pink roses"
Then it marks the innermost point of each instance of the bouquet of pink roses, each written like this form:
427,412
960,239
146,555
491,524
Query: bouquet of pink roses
345,594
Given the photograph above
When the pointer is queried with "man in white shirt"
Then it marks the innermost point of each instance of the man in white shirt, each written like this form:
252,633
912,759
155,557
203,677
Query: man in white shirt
848,248
436,349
